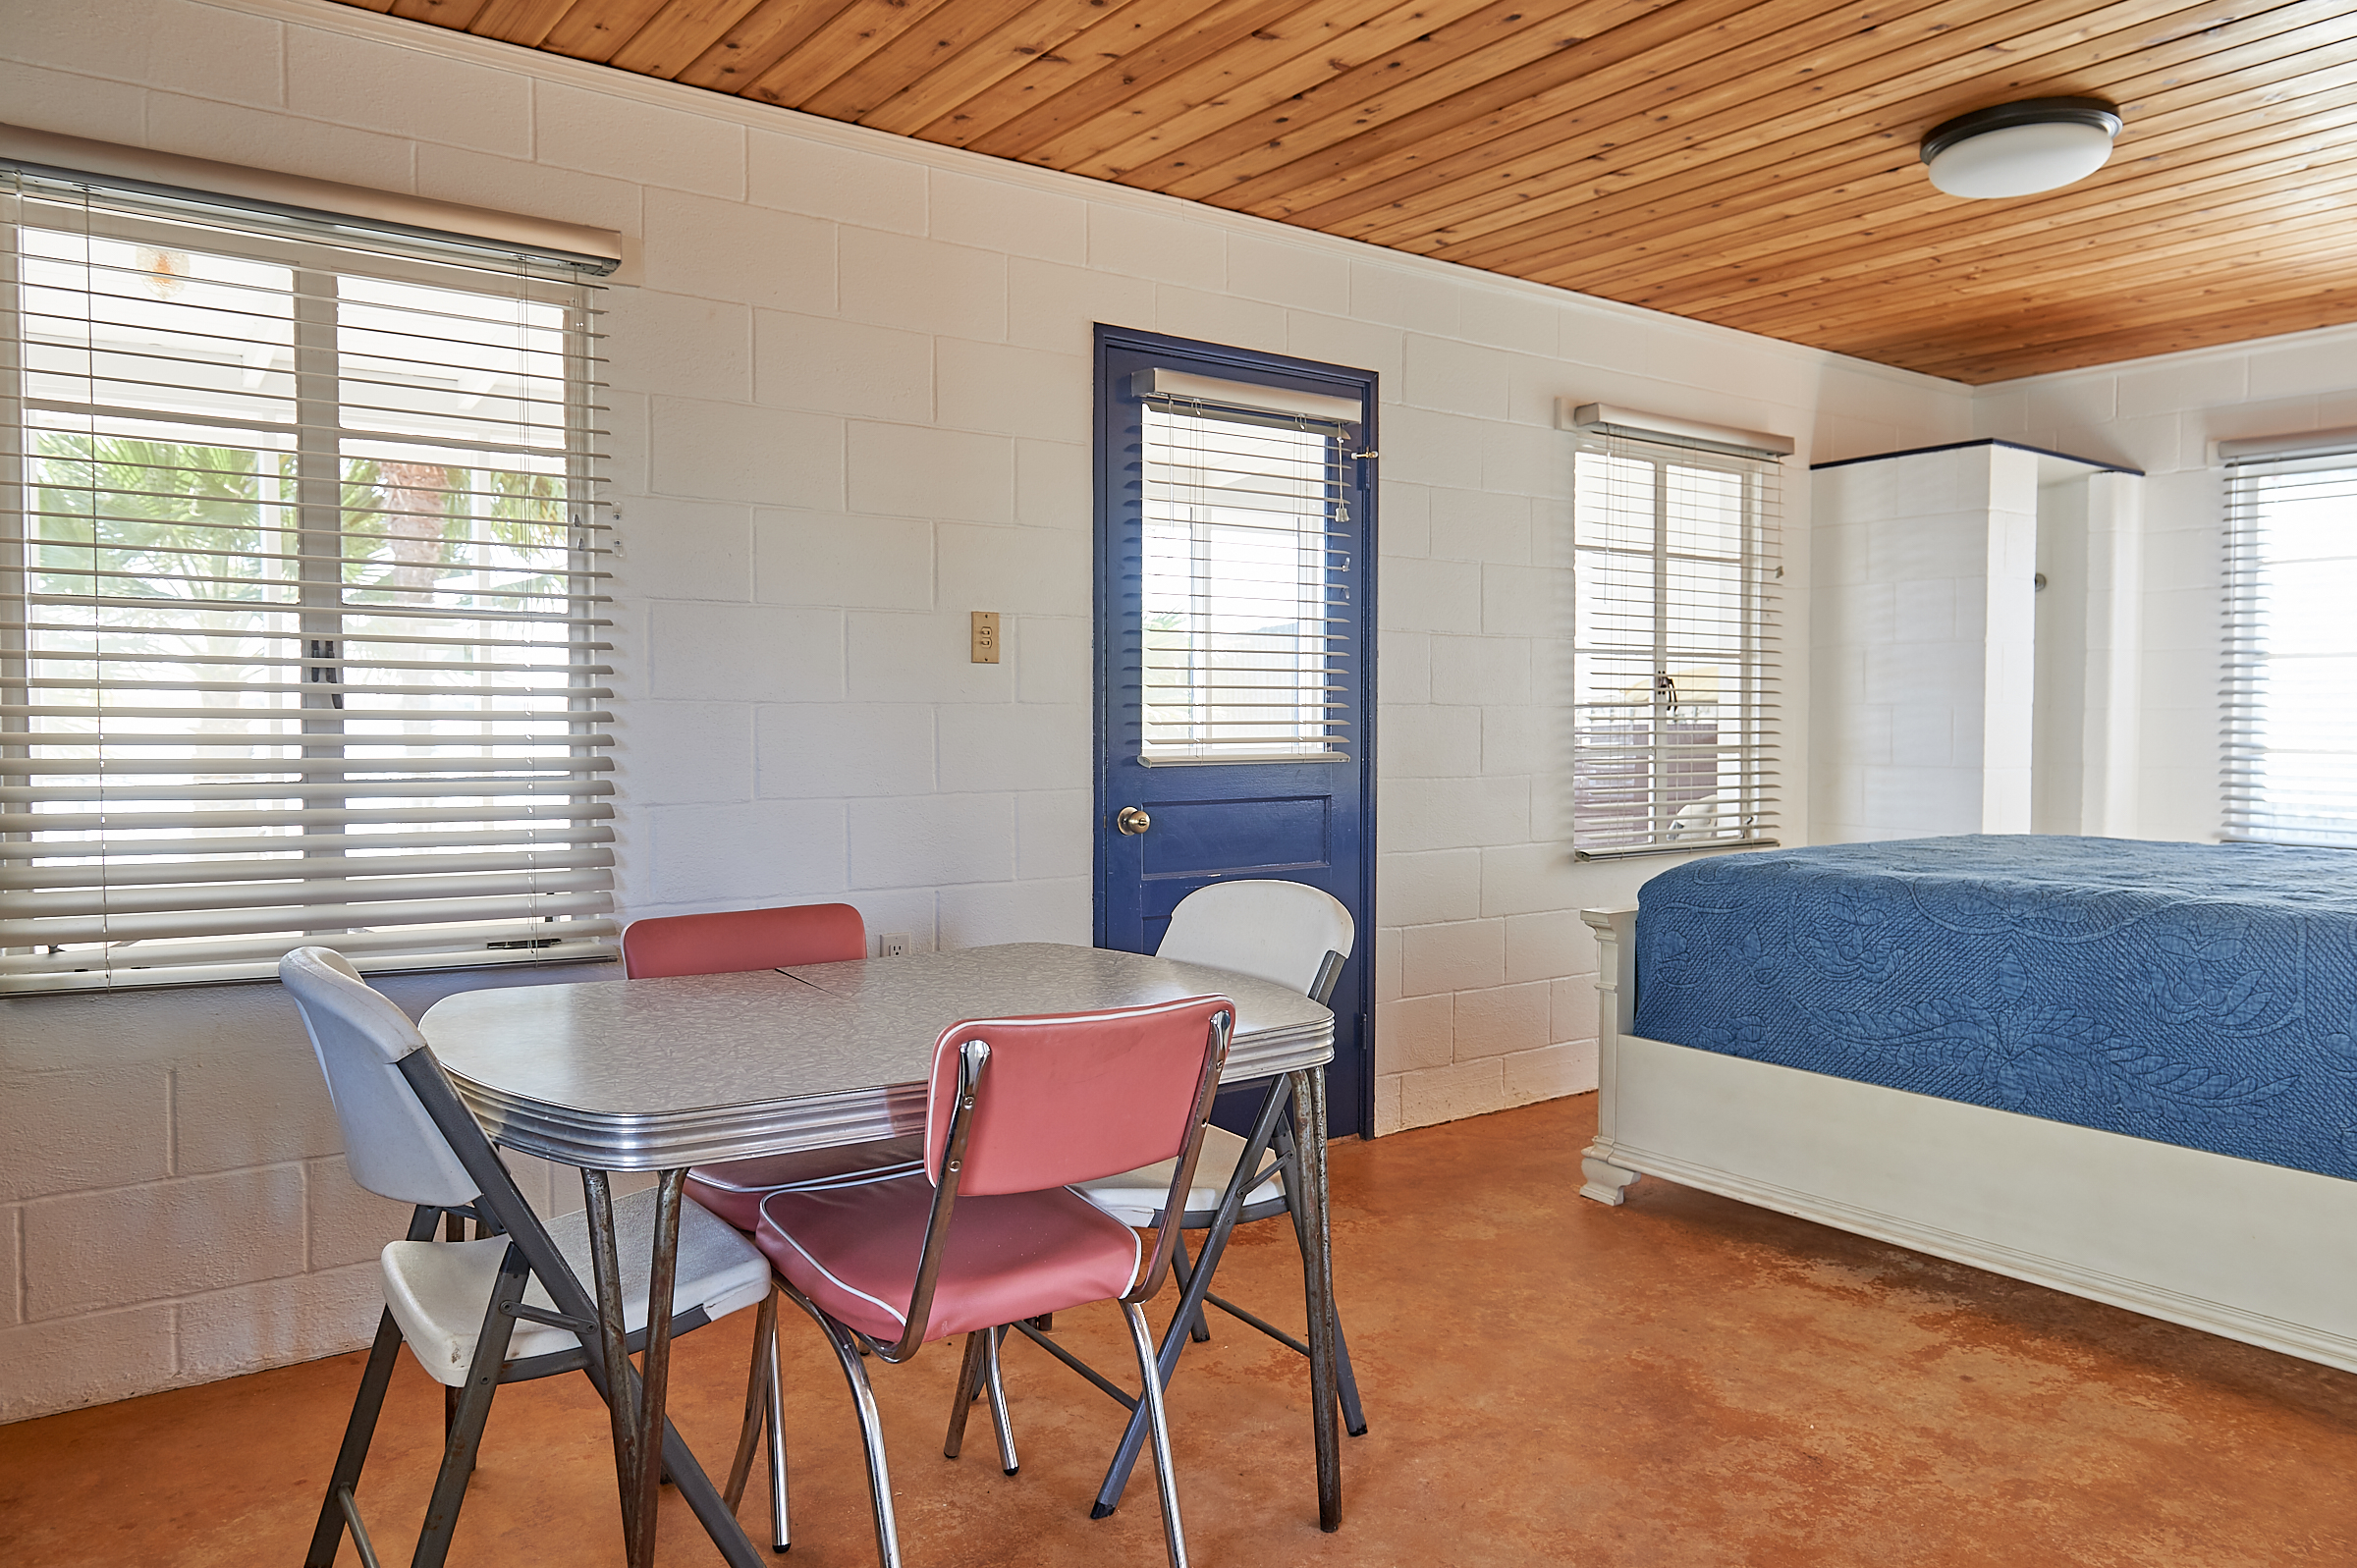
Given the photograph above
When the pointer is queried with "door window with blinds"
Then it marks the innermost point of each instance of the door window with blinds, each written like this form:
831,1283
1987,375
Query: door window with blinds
1674,666
2290,761
1245,579
304,637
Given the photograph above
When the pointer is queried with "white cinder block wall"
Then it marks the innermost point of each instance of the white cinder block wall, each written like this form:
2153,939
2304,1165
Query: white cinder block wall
2161,415
851,388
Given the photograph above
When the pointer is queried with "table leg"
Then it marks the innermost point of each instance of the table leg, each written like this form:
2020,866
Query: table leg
634,1404
621,1384
655,1379
1317,1271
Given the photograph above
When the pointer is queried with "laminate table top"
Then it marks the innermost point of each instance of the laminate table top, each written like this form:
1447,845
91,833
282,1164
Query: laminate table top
658,1073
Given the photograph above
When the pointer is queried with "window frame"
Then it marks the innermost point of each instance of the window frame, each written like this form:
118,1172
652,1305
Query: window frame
305,524
2255,808
1757,570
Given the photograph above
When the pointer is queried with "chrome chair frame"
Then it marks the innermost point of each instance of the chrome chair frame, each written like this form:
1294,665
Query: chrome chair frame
850,1344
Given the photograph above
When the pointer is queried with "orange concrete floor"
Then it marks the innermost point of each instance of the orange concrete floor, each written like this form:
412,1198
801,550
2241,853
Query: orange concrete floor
1682,1382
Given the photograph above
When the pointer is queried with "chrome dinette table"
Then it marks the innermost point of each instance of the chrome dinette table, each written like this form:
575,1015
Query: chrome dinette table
660,1074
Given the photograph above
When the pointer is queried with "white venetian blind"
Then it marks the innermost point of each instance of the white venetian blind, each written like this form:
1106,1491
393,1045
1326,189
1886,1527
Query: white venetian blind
302,635
1674,644
1245,579
2290,689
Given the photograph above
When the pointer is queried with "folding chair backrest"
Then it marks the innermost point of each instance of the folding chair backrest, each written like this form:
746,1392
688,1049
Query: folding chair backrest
1276,931
392,1146
1072,1097
729,941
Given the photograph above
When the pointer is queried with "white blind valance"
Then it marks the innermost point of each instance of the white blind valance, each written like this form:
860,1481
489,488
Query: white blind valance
302,629
2290,689
1244,579
1675,648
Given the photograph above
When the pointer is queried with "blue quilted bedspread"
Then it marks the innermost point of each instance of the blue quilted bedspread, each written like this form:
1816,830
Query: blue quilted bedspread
2202,994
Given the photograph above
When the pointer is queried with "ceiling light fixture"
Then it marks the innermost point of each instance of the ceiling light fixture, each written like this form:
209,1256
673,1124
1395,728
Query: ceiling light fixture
2018,149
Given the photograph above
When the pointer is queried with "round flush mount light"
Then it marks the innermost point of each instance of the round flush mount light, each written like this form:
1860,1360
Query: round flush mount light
2018,149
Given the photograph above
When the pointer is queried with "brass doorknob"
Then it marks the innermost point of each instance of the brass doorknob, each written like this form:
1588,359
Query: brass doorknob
1132,820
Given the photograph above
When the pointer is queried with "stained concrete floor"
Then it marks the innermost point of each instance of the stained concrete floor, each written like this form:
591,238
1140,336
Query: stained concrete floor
1685,1380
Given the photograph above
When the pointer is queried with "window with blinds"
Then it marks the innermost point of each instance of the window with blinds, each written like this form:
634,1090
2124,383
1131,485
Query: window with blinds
302,635
2290,689
1675,646
1245,585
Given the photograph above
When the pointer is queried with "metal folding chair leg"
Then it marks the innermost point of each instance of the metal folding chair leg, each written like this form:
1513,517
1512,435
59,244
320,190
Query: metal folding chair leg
871,1428
358,1433
1198,1330
475,1409
1142,1338
1190,1298
360,1429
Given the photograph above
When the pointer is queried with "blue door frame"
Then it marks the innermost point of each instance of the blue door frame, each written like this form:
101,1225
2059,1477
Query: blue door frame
1310,822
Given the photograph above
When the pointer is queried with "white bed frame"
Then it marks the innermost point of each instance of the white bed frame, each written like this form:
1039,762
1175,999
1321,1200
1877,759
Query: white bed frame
2254,1251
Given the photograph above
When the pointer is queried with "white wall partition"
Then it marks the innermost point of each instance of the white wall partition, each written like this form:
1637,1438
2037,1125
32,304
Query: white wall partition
1922,668
1974,634
851,405
2166,415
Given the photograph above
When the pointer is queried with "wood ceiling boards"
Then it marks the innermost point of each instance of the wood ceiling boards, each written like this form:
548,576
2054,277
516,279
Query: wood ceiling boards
1746,163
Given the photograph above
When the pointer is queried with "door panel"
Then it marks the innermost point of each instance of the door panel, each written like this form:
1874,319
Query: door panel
1289,817
1244,837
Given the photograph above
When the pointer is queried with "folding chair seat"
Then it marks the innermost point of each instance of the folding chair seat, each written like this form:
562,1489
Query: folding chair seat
726,941
505,1307
436,1289
989,1232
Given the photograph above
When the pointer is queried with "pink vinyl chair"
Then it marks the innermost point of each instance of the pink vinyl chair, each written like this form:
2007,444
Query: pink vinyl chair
727,942
730,941
989,1230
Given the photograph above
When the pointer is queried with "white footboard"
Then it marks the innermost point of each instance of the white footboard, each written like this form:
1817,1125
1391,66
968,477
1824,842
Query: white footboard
2254,1251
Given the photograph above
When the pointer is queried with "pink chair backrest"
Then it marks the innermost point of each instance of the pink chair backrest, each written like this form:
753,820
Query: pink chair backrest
1072,1097
732,939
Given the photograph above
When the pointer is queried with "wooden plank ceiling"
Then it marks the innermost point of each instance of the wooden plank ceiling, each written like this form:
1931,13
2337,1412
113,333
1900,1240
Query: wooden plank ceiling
1747,162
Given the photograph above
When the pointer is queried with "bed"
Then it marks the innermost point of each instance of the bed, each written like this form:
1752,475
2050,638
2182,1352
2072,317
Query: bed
2123,1069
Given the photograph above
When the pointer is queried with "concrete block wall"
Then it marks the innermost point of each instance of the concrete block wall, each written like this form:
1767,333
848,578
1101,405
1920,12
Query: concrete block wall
173,1205
850,402
2163,416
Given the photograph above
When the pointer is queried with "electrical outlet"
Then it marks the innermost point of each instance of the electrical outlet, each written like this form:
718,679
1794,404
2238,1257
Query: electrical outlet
892,945
985,638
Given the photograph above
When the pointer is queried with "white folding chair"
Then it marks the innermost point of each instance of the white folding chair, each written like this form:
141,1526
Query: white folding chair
1294,935
506,1307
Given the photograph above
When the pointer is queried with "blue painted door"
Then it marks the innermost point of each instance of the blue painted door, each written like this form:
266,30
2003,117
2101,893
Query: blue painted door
1234,629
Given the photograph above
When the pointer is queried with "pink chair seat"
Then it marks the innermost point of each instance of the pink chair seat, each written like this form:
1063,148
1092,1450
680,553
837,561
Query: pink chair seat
855,1252
735,1188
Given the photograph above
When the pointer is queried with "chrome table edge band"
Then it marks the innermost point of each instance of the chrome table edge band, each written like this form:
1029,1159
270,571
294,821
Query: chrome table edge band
639,1141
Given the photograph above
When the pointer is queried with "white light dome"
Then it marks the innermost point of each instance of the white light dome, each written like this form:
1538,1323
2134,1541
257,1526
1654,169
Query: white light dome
2019,149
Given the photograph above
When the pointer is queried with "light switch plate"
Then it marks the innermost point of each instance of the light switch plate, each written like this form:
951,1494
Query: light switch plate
986,636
